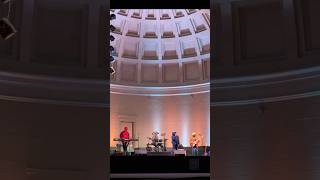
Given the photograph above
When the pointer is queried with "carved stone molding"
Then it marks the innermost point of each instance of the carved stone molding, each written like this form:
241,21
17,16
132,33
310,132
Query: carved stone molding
266,88
160,91
52,90
288,85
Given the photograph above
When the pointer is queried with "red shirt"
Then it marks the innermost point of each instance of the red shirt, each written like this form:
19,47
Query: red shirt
124,135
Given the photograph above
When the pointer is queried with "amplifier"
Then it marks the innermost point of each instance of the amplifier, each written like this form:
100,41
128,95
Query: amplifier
180,152
140,152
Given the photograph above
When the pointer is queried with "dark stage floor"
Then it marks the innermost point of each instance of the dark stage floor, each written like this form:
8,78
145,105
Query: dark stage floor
195,178
160,164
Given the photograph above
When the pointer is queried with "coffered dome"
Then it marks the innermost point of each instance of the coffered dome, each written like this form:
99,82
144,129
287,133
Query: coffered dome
167,47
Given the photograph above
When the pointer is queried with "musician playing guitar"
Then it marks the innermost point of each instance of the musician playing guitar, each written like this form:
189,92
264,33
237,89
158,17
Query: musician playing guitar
124,135
194,143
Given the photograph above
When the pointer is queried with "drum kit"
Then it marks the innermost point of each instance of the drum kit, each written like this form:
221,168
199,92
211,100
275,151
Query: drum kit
157,144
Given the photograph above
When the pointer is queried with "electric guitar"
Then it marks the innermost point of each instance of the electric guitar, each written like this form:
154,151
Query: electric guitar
194,142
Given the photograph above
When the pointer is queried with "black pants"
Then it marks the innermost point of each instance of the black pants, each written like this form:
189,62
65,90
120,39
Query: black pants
125,145
175,146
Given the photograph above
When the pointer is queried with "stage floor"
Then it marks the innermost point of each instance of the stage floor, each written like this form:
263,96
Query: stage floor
159,164
142,151
158,177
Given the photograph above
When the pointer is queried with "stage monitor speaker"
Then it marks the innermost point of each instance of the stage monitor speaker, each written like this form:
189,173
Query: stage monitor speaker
7,29
167,153
180,152
118,154
140,152
180,155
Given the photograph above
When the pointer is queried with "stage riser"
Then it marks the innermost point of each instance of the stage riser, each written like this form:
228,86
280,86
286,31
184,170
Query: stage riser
160,164
188,152
159,154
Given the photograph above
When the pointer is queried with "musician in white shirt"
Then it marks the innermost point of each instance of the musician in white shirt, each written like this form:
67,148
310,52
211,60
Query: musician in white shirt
194,143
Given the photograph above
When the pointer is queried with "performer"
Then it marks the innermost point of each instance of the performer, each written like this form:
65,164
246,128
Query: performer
124,135
194,143
155,136
175,141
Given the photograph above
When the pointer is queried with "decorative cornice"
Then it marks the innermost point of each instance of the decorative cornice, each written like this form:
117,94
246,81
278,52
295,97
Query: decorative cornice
55,102
285,86
160,91
51,90
265,100
266,79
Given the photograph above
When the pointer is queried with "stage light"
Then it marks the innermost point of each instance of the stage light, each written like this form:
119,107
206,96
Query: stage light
112,16
111,59
112,38
111,70
7,29
111,48
112,28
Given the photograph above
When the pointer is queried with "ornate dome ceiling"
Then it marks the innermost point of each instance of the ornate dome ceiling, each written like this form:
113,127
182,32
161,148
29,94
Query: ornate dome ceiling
161,48
260,49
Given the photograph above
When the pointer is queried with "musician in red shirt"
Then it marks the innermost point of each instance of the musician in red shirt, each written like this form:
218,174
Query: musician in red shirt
124,135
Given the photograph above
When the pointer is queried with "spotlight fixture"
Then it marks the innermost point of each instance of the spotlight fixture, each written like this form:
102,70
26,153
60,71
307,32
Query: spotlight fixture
112,16
112,28
7,29
111,59
111,70
111,48
111,38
